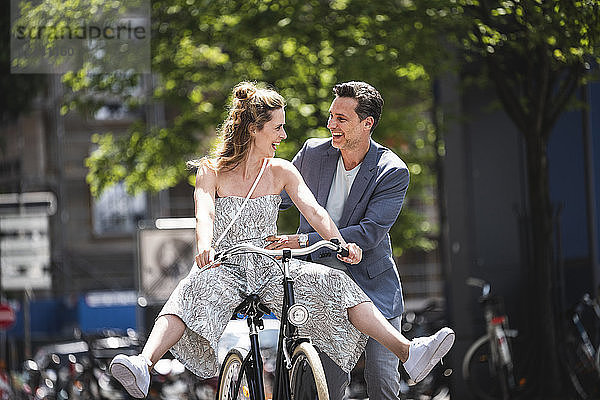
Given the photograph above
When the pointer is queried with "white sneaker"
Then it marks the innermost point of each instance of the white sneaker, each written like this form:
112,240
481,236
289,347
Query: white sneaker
425,352
132,372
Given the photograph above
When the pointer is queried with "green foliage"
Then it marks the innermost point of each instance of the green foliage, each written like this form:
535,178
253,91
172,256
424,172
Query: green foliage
201,49
535,52
147,160
565,32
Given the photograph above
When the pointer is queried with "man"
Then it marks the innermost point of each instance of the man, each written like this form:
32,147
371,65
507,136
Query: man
362,185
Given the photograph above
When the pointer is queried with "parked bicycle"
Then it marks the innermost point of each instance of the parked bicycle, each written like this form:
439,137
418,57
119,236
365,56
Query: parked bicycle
488,367
582,347
298,372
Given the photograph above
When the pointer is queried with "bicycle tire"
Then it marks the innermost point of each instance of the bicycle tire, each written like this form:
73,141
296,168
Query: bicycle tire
307,378
598,359
583,372
480,375
231,372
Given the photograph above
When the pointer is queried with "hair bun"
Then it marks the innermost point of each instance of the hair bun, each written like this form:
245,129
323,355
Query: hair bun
244,91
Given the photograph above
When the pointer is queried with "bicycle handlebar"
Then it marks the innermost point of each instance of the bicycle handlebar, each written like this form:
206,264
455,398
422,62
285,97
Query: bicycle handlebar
333,244
480,283
250,248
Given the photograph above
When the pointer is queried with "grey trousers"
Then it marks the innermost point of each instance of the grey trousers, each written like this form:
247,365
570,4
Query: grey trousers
381,372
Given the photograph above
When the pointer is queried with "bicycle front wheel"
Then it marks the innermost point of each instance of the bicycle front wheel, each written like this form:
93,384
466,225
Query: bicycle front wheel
483,378
307,378
231,373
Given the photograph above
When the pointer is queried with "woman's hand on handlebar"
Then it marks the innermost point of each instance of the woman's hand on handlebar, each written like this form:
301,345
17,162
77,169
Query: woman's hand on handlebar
354,256
205,257
291,242
277,242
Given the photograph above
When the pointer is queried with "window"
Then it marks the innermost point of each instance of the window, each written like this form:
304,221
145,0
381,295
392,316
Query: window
116,212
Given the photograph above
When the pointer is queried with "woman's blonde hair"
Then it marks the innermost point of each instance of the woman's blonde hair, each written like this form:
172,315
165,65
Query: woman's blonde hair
251,107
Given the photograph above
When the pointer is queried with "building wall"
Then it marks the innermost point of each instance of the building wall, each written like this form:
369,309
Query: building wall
91,261
23,156
484,192
486,201
45,151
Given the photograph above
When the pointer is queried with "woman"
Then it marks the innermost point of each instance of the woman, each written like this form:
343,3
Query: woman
193,319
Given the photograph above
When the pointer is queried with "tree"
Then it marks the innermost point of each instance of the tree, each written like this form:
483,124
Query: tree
201,49
535,54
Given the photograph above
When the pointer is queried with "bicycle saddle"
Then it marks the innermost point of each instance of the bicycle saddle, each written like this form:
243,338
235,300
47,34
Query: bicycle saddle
252,304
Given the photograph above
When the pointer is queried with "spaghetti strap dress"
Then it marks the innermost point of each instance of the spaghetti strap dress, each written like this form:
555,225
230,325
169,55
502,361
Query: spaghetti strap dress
205,300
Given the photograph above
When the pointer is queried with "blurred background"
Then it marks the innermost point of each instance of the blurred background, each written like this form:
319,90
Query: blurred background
493,105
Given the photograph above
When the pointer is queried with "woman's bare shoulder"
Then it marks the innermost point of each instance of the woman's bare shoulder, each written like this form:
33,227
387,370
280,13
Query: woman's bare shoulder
206,174
282,165
285,172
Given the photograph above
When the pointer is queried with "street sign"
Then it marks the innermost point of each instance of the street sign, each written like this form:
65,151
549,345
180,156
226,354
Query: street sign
25,252
165,257
7,316
29,202
25,240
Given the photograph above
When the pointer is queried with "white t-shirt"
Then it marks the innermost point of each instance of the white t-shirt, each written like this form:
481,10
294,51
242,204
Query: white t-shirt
340,188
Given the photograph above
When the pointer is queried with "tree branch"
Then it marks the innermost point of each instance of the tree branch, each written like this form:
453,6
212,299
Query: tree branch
508,96
564,94
541,96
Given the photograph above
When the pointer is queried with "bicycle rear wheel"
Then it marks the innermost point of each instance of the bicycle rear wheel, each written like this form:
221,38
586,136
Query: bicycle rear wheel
231,373
582,369
482,378
307,378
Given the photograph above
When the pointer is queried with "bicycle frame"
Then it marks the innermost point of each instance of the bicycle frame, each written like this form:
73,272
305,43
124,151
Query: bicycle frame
252,363
497,325
497,335
288,332
281,387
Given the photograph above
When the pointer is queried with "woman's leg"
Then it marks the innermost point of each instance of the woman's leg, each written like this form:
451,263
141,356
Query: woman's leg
369,320
167,331
418,356
133,372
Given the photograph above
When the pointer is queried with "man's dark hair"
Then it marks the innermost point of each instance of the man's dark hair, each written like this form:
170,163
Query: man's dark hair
370,102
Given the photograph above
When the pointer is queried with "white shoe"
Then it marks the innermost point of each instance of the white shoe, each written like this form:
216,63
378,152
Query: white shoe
132,372
425,352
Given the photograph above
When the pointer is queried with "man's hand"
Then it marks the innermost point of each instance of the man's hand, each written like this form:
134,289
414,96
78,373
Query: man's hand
282,242
354,256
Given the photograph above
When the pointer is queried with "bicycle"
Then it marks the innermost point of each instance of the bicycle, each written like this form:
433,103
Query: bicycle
299,374
582,349
488,363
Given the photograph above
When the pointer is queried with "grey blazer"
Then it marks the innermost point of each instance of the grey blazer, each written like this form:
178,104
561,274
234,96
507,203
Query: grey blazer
374,203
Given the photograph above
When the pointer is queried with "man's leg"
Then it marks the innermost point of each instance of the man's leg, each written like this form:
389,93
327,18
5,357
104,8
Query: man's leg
381,369
337,379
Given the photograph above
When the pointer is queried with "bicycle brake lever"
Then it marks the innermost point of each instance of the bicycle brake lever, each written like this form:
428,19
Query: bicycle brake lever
219,258
343,251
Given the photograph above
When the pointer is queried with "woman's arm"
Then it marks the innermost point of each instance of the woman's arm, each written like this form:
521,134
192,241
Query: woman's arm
316,215
204,202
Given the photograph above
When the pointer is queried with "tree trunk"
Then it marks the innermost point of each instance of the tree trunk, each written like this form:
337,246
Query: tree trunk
542,278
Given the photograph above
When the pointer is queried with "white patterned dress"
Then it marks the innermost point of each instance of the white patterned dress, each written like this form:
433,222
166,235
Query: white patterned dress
205,300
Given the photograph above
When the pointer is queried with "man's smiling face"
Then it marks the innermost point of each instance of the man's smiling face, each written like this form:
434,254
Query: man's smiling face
346,128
